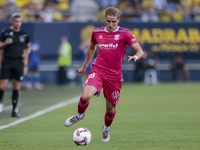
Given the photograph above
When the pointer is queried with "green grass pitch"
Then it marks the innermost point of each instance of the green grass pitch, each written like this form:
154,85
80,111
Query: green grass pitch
161,117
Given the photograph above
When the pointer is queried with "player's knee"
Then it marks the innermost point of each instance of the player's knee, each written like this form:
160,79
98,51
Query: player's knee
111,110
2,87
86,96
16,86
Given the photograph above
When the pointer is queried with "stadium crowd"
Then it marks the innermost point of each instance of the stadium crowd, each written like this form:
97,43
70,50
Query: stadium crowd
88,10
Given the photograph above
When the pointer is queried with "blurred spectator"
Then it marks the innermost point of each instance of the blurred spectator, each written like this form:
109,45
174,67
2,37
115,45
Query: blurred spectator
165,15
2,14
101,15
33,65
122,5
57,15
178,15
159,4
64,60
178,68
2,3
137,4
83,11
63,5
87,10
150,63
150,15
187,7
47,14
196,10
108,3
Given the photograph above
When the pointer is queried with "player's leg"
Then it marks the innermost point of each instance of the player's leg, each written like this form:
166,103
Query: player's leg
93,86
29,80
4,79
88,93
3,85
108,119
17,76
37,83
15,97
111,93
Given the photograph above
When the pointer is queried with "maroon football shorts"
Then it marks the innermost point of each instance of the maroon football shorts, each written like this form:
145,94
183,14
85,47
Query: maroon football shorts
111,88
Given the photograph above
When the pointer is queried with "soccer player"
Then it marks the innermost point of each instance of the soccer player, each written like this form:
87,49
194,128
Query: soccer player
34,62
15,46
106,71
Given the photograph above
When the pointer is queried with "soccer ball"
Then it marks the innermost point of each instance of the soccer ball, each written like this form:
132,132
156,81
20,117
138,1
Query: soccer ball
82,136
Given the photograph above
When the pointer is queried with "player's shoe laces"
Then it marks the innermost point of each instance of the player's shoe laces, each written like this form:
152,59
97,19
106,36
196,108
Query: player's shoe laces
72,120
105,136
1,107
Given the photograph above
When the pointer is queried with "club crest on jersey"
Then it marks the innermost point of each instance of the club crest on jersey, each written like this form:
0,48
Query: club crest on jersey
11,33
21,39
92,75
115,95
116,37
100,36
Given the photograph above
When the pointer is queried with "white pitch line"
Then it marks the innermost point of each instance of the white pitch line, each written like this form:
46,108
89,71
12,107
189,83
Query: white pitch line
39,113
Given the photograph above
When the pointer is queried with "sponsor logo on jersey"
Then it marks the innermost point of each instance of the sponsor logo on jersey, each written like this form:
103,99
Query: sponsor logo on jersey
108,46
116,37
133,39
115,95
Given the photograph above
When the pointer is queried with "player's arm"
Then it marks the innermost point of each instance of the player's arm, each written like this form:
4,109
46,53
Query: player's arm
139,52
28,48
1,56
89,56
25,55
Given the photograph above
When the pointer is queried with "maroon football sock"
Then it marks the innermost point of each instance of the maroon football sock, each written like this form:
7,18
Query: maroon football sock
109,118
82,105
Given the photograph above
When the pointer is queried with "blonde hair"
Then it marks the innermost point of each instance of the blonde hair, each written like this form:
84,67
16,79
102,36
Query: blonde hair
112,11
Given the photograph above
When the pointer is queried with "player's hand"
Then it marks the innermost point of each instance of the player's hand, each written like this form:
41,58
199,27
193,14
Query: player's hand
134,58
81,71
8,41
25,54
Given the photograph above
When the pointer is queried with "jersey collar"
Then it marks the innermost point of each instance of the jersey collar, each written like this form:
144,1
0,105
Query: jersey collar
112,31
